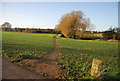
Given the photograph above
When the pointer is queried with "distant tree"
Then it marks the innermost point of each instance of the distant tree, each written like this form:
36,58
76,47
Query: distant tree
27,30
117,33
117,30
73,24
90,27
112,33
6,26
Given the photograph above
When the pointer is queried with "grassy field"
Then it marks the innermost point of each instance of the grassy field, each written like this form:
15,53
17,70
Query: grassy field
77,56
18,46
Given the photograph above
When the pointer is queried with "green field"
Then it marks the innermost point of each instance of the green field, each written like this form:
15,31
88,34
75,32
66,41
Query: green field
18,46
75,55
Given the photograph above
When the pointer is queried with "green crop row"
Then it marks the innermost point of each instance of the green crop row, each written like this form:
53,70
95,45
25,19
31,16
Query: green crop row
18,46
77,55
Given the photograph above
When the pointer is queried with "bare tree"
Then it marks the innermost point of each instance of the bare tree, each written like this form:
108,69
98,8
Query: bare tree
6,26
91,27
73,24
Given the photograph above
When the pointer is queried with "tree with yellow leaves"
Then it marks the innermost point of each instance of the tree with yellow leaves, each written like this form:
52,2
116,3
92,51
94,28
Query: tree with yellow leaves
73,24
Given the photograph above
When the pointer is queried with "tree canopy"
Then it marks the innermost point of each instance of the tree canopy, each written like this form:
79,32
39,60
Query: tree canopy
73,24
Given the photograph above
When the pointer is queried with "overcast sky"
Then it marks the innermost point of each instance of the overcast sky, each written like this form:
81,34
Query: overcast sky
47,14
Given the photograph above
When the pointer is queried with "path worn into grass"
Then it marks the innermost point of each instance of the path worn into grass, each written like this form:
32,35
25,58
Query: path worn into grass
46,66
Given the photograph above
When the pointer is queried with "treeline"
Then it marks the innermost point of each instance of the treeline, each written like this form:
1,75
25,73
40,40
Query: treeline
31,30
88,35
111,33
8,27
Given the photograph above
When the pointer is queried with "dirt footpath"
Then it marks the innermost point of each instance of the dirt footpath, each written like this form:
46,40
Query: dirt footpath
48,65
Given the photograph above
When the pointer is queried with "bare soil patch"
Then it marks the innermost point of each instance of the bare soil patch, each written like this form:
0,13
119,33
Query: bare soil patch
112,40
46,65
